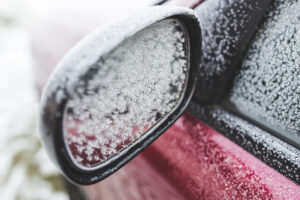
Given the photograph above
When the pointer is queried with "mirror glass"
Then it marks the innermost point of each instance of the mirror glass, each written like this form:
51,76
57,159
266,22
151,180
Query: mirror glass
126,93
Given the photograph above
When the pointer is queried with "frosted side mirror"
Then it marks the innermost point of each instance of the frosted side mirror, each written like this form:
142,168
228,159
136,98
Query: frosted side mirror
118,89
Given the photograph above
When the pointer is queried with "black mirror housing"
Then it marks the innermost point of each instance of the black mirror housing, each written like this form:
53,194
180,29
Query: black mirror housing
76,64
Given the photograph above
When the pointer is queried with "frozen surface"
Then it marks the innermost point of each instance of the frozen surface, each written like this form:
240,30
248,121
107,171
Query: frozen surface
197,162
223,23
127,92
268,148
268,85
200,163
100,42
227,26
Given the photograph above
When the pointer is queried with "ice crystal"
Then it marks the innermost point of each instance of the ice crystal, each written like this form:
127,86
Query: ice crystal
126,92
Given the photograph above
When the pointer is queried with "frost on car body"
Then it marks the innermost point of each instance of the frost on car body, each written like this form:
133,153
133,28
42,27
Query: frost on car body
227,27
268,86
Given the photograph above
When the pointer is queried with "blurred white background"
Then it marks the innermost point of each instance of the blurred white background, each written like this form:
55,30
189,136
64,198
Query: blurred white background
25,171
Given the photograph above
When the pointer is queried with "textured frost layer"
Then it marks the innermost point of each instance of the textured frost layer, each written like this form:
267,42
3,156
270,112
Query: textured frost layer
227,26
268,85
221,32
126,92
271,150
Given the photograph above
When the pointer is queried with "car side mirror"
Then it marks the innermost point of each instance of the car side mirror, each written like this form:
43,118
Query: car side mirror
118,90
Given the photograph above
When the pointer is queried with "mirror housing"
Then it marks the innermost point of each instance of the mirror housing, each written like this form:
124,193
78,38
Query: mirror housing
77,64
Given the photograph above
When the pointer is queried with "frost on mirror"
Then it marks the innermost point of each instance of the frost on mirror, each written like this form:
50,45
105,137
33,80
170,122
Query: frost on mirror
126,93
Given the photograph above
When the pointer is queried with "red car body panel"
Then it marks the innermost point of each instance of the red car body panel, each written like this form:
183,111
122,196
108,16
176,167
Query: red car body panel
193,161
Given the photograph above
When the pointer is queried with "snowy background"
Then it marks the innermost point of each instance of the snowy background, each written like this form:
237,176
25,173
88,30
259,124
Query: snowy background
25,170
